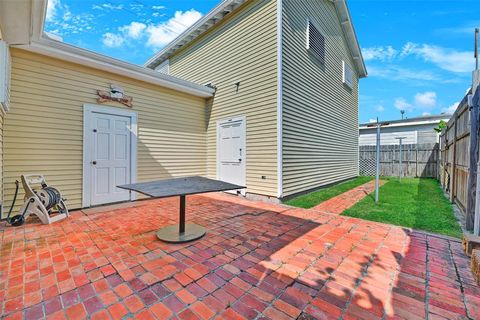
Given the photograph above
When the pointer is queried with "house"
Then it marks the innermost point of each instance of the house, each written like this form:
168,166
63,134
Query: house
284,116
418,130
89,122
48,126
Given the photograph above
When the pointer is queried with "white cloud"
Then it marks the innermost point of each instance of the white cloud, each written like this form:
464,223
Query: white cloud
154,35
380,108
451,109
61,22
52,9
426,114
134,30
113,40
108,7
426,99
402,104
158,7
379,53
372,120
465,28
112,6
444,58
394,72
161,34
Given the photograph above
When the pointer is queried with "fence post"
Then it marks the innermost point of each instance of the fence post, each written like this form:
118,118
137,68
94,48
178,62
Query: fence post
400,164
472,172
454,157
393,160
476,224
377,163
416,161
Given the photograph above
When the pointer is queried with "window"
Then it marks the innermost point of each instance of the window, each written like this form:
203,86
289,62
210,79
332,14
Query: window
164,67
316,42
347,75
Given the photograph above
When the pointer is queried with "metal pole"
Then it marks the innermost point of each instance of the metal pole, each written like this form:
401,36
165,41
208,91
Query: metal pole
476,48
182,215
377,164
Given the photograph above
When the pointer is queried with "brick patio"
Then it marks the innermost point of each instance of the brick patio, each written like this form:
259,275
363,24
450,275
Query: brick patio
257,261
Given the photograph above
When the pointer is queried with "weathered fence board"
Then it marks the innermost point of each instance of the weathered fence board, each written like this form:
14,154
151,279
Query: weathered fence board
418,160
473,158
454,169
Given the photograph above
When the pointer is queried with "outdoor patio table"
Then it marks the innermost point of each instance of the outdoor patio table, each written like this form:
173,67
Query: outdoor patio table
181,232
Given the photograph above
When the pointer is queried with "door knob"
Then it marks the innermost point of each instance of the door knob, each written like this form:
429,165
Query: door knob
239,159
94,162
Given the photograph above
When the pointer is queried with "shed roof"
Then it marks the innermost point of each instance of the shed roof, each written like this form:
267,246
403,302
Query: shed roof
410,121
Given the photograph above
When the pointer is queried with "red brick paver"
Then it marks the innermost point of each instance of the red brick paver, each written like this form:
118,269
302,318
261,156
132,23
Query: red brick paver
257,261
347,199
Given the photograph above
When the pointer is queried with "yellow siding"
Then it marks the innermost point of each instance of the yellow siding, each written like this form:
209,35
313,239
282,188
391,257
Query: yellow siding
44,129
241,48
2,119
320,114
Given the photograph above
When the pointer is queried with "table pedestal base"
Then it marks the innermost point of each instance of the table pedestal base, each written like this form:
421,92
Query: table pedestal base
171,233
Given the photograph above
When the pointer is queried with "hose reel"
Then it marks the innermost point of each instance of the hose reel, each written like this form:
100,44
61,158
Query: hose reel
44,201
49,197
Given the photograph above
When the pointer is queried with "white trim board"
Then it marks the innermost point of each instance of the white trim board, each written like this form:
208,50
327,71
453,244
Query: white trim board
88,109
279,98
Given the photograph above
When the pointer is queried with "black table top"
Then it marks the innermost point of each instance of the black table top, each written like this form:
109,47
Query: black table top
180,186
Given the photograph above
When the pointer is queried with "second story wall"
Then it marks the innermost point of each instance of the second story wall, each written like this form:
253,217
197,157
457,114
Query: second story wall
242,48
320,113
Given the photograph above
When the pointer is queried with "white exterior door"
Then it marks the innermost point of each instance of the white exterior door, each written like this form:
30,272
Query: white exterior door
108,145
231,151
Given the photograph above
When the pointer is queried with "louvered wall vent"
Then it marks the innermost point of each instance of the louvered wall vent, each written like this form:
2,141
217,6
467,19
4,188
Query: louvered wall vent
316,42
347,75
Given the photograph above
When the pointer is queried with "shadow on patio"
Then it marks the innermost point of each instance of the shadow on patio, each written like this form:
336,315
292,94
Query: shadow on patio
257,261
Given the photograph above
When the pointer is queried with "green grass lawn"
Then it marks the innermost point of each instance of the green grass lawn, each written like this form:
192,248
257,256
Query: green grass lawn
414,203
312,199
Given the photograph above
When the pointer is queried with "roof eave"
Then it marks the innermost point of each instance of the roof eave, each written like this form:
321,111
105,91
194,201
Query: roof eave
350,34
91,59
194,31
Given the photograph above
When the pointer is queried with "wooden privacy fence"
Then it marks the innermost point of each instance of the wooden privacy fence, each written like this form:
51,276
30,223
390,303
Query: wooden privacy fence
418,160
459,156
454,156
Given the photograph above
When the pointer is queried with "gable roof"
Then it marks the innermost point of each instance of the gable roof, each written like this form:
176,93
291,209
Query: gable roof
217,14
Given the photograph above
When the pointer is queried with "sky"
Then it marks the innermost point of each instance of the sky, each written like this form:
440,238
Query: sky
419,54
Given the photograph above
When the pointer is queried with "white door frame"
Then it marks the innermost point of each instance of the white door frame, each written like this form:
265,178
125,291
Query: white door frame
88,109
226,120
